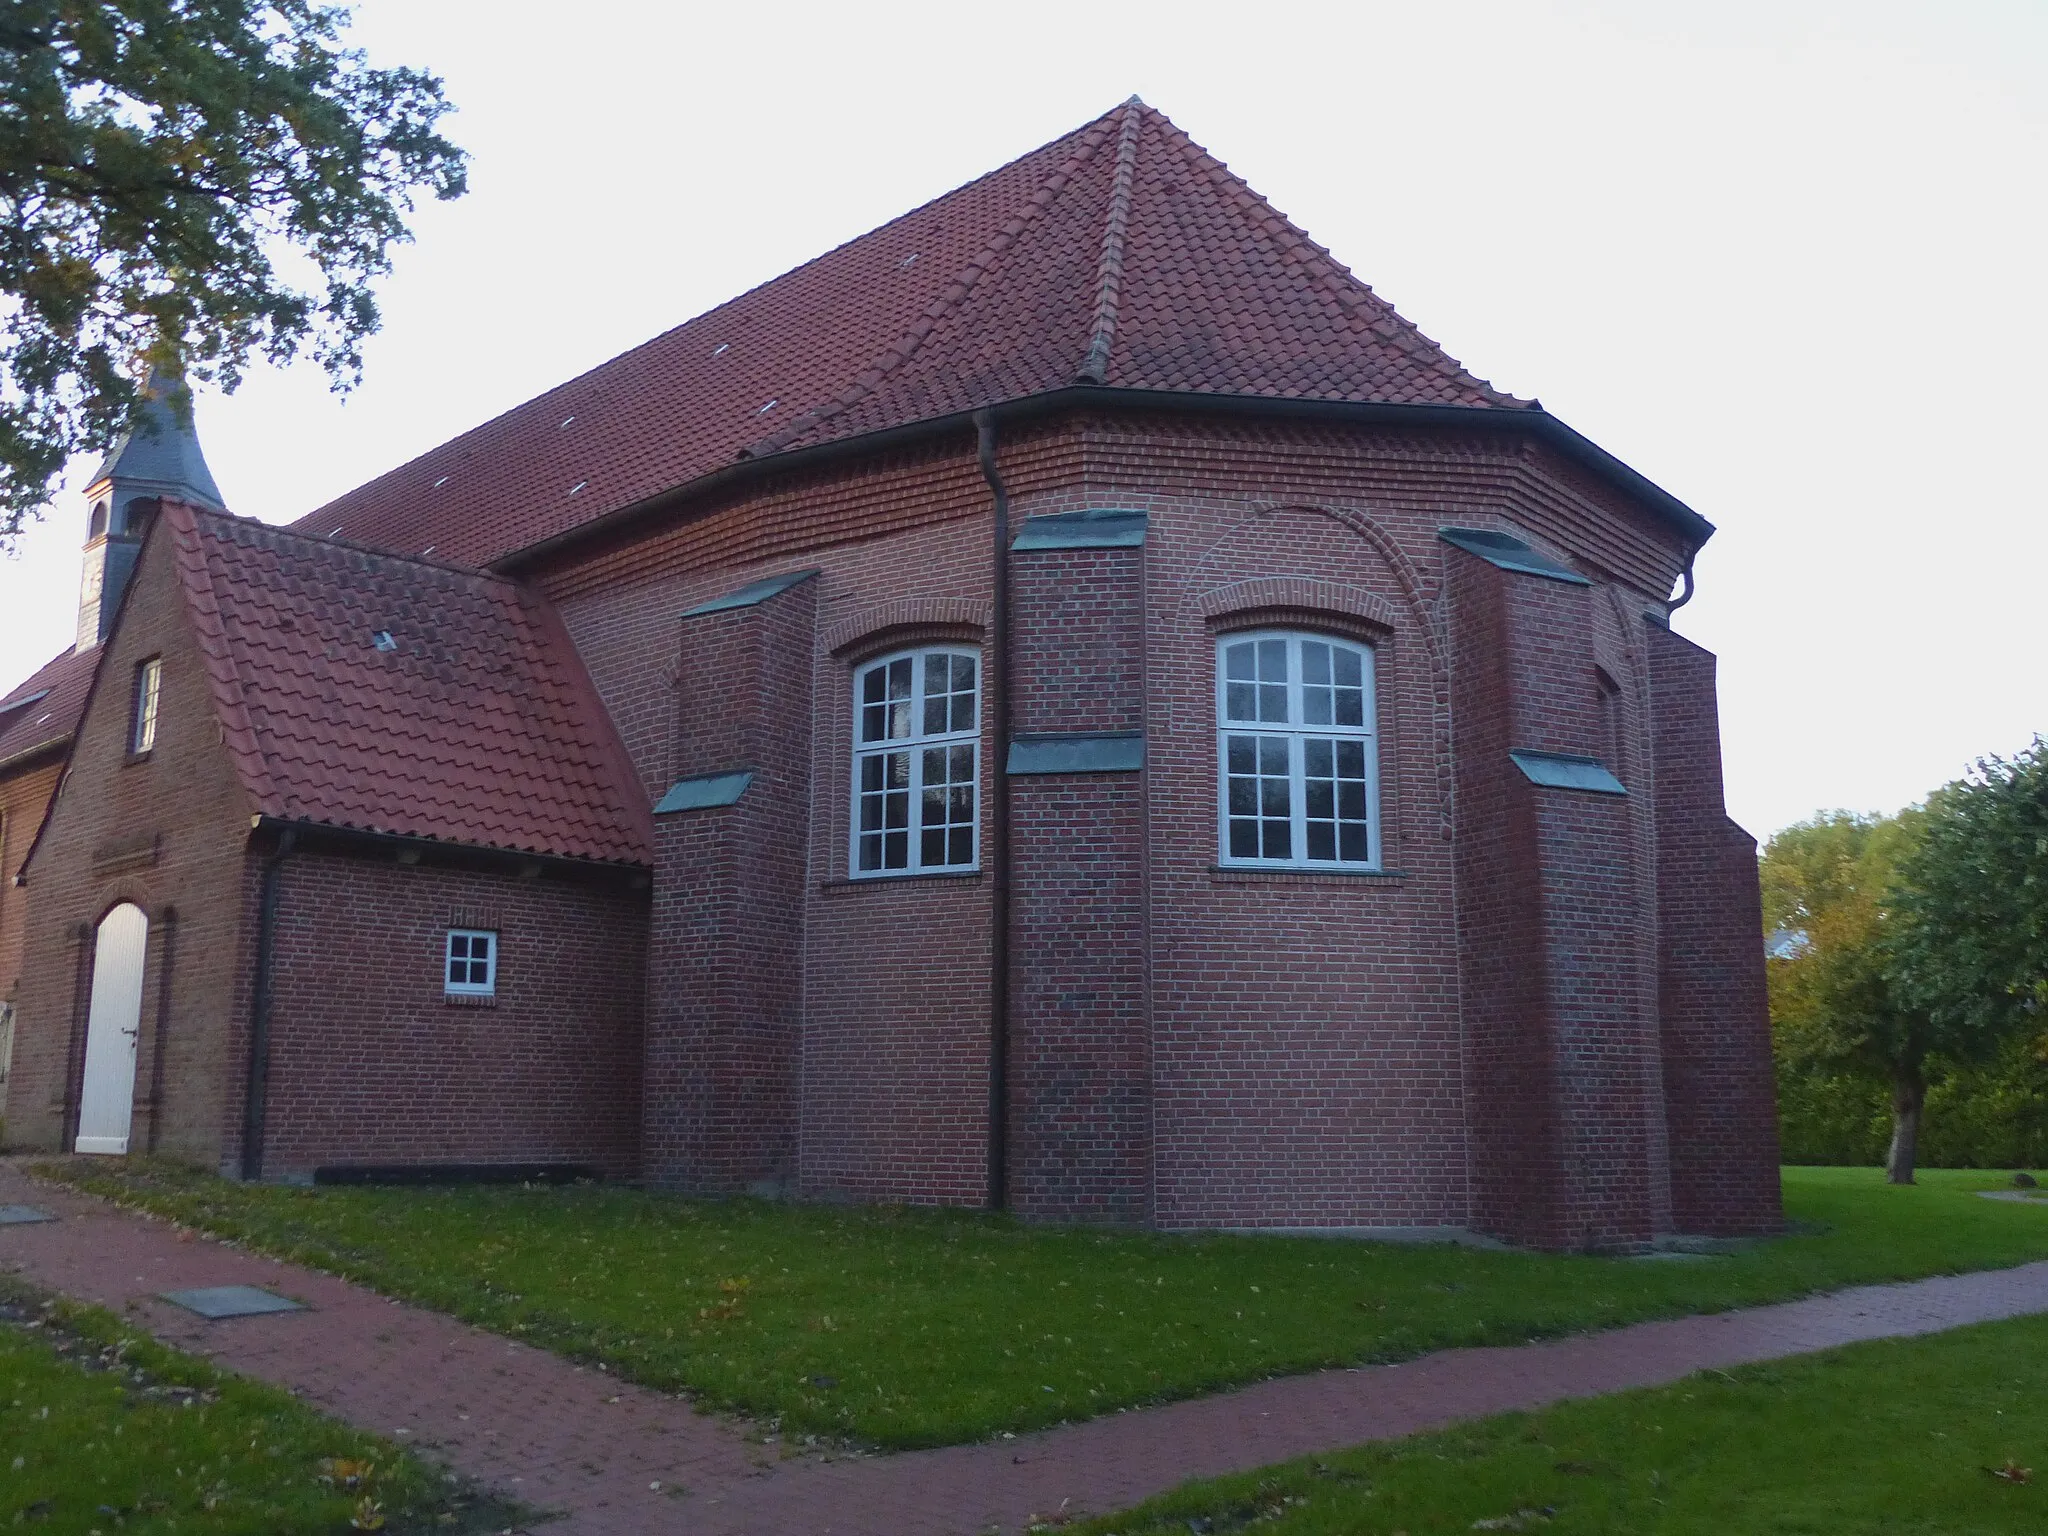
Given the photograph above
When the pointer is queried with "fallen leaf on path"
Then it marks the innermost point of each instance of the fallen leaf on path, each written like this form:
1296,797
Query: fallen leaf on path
341,1472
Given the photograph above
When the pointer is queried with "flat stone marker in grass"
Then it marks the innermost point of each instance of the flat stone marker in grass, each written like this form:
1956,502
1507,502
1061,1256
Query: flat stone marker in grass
21,1215
215,1301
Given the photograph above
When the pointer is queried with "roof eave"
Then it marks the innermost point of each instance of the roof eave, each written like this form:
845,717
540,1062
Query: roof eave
49,746
1692,528
366,838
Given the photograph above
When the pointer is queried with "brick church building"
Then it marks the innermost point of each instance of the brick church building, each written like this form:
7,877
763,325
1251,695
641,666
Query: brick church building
1067,700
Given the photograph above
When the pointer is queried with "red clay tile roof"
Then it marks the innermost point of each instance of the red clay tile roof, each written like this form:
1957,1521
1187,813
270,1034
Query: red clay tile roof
477,725
1122,254
48,720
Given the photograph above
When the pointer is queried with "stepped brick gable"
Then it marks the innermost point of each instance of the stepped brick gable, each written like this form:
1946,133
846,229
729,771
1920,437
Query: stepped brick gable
1066,701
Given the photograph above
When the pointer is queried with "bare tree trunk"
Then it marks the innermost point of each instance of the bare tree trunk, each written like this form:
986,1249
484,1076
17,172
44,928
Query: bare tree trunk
1909,1094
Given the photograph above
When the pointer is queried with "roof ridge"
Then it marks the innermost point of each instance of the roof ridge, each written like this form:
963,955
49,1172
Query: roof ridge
356,546
1109,270
955,293
238,731
1353,294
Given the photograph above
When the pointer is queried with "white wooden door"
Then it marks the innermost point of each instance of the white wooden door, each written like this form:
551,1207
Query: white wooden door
108,1098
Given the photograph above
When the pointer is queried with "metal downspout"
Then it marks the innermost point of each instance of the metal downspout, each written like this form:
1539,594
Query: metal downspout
1686,596
997,671
259,1009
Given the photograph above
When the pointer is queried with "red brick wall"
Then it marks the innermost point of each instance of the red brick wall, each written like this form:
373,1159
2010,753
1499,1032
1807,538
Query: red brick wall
896,1037
167,833
893,1056
1080,1089
1517,1134
1306,1059
370,1062
725,998
1719,1091
1567,1091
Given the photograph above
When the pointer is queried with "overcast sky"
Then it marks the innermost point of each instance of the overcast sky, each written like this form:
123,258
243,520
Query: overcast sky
1786,259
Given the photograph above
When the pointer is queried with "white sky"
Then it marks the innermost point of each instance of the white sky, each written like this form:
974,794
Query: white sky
1787,259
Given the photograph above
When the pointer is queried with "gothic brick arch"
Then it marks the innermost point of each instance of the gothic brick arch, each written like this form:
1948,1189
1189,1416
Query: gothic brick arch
1421,620
906,618
1306,594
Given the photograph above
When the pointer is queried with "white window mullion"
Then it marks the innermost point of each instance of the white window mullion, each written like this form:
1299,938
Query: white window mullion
915,863
1297,773
1297,800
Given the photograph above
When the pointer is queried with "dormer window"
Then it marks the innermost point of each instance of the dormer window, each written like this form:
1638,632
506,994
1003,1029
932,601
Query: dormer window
149,682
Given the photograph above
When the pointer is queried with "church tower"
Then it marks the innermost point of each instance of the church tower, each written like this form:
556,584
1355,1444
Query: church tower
158,457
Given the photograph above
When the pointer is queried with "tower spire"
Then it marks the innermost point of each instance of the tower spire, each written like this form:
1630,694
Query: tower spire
158,457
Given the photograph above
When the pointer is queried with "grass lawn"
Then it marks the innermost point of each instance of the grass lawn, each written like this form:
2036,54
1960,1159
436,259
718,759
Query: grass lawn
103,1431
909,1328
1942,1434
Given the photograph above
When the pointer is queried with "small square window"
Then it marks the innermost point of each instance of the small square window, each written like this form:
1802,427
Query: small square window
472,963
149,682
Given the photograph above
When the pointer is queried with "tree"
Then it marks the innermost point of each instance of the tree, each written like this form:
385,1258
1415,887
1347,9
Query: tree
1915,940
1835,1005
1973,952
187,184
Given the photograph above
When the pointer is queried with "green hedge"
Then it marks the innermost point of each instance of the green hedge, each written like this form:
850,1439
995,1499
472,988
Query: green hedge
1985,1117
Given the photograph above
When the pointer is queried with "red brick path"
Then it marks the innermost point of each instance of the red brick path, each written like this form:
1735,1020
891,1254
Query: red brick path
566,1438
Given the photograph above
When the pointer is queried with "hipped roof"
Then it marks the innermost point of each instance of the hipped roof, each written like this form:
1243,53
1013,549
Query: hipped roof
1122,255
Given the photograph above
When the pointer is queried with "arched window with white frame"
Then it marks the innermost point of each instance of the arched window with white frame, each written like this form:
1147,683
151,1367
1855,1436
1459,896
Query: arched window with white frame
1297,752
916,755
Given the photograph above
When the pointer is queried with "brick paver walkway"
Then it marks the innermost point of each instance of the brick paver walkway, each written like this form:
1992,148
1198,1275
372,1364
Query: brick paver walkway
570,1439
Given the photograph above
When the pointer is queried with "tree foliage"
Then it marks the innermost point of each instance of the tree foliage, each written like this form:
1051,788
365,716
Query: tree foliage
187,184
1913,950
1973,953
1834,1005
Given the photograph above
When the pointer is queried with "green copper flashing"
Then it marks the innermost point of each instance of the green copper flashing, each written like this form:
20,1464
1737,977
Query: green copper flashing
1110,752
1561,770
1510,554
754,592
705,793
1100,528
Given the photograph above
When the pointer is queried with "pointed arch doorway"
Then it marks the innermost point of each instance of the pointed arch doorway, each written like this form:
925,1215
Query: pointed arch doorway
106,1100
